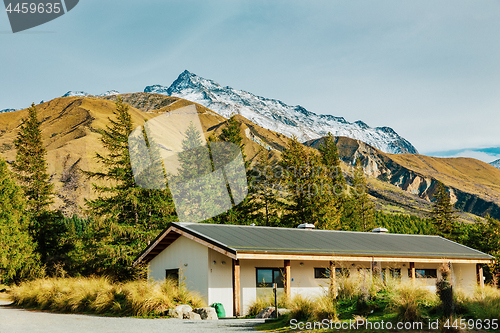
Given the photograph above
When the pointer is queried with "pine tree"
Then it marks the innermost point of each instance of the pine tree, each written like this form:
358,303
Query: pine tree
265,190
443,215
359,214
301,182
232,133
125,215
18,257
30,167
331,198
241,213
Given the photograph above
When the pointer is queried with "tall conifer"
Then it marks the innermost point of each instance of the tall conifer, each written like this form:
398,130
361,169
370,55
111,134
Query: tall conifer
30,166
126,216
443,215
359,208
18,258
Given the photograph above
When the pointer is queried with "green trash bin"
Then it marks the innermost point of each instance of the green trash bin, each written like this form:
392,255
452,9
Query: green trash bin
219,308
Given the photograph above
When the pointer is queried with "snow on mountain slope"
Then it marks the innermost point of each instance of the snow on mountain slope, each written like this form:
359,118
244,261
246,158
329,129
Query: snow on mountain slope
84,94
7,110
109,93
277,116
496,164
75,94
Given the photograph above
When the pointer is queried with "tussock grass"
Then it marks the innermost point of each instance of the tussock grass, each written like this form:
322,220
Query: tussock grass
101,296
265,301
411,301
484,303
301,307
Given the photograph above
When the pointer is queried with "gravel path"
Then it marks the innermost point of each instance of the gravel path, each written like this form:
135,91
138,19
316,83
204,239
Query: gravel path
13,320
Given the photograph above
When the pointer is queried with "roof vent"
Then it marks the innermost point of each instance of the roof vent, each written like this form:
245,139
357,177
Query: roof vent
380,230
306,226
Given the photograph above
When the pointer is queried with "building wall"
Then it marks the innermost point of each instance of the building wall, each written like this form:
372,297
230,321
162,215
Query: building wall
181,252
220,280
464,276
206,274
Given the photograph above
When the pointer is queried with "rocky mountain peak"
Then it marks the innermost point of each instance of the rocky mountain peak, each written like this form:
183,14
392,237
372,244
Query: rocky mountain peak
277,116
496,163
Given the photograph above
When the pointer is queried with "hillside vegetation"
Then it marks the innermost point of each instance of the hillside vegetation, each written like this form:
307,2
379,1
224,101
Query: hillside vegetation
475,185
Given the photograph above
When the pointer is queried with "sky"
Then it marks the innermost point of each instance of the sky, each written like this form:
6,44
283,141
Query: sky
428,69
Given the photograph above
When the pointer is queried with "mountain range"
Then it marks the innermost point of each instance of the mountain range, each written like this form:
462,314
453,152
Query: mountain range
496,163
398,183
277,116
271,114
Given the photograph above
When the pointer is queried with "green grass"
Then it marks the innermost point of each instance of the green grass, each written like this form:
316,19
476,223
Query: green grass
101,296
391,301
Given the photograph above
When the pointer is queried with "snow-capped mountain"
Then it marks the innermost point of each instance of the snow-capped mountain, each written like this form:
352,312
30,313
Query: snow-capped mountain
84,94
277,116
496,164
7,110
109,93
75,94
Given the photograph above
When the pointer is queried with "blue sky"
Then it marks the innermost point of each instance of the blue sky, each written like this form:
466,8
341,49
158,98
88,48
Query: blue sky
430,70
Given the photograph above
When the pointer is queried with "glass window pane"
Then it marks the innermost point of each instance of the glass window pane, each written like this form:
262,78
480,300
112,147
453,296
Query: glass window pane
278,278
264,277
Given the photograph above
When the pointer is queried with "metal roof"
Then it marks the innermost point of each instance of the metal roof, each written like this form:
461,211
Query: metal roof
270,240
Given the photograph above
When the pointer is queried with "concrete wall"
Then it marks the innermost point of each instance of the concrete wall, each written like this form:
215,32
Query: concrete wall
181,252
210,274
464,276
220,277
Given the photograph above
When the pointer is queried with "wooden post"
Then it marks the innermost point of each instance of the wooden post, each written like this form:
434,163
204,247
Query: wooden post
236,288
376,269
479,275
412,271
287,278
333,282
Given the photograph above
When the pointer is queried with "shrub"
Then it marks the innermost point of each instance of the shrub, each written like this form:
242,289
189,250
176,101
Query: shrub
410,301
302,308
101,296
265,301
484,303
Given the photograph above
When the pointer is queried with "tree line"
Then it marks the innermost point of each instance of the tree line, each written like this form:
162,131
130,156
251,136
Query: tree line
304,185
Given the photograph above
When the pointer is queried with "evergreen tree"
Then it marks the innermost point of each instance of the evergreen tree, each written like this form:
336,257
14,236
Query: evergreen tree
125,216
359,214
18,257
301,182
232,133
243,212
30,166
443,215
331,199
265,190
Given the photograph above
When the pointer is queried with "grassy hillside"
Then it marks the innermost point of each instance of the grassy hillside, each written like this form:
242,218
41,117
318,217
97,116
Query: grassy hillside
70,130
408,181
397,183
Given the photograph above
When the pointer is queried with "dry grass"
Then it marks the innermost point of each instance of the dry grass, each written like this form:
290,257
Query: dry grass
101,296
267,301
482,304
410,300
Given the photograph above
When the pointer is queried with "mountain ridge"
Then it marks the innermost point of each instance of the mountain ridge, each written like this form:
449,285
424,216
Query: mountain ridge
496,164
278,116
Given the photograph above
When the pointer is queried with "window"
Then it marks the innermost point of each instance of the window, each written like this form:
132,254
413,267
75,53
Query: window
172,274
267,276
394,273
324,273
426,273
